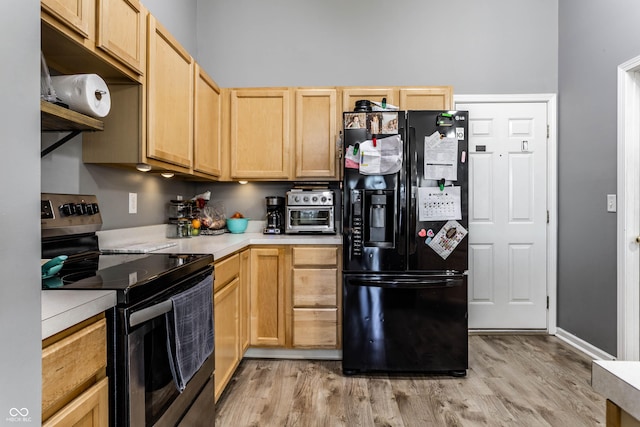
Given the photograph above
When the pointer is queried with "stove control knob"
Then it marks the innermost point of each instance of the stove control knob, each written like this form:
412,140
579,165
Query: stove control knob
297,198
306,199
315,199
90,209
323,199
96,209
68,209
81,208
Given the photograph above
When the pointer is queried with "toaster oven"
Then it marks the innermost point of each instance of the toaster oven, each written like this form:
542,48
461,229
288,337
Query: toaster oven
310,212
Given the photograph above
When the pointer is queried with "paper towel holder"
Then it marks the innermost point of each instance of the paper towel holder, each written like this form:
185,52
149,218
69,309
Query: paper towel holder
56,118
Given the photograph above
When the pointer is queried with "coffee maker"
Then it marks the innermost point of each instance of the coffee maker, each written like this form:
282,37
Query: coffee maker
275,215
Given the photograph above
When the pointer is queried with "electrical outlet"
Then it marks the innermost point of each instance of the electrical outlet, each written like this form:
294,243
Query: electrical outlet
611,203
133,203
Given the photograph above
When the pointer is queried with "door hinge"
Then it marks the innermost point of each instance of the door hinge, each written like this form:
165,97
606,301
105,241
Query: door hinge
547,217
548,131
547,302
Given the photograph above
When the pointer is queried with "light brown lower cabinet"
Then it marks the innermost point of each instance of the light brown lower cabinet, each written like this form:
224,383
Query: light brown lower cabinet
268,303
275,296
91,408
75,389
617,417
226,312
316,295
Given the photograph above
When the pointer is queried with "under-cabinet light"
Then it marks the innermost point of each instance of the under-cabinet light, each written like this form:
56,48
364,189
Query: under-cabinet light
243,182
167,174
142,167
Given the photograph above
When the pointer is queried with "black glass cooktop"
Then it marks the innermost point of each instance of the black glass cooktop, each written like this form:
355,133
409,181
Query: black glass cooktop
132,276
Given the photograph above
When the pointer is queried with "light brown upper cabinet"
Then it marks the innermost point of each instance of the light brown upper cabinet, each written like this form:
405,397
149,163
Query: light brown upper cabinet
206,137
316,117
405,98
260,129
105,37
426,98
352,94
121,31
170,75
77,15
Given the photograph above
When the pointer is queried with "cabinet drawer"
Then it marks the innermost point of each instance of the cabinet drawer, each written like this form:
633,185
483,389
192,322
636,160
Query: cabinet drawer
72,361
225,271
91,408
315,256
315,327
315,287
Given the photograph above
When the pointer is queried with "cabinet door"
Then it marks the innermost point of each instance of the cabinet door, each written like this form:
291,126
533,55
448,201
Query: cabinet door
121,31
169,98
76,14
316,118
90,409
206,136
227,333
260,134
245,300
267,296
352,94
426,98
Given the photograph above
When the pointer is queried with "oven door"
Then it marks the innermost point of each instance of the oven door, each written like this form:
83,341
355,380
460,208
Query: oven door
310,219
146,394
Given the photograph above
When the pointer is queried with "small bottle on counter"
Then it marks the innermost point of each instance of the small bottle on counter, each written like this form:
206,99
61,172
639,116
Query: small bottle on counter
179,228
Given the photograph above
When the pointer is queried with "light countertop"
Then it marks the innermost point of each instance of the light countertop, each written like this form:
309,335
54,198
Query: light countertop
219,245
618,381
64,308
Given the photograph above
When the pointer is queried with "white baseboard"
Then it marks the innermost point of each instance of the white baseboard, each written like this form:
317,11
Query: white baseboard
590,350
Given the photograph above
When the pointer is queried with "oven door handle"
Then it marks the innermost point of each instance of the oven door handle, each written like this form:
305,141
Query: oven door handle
146,314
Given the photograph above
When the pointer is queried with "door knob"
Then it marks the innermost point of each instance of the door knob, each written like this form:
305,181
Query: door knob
638,239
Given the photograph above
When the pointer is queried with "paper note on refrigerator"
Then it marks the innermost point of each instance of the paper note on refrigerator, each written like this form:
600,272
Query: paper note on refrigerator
448,238
382,157
439,205
440,157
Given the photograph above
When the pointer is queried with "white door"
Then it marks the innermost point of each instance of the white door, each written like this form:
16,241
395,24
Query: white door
507,215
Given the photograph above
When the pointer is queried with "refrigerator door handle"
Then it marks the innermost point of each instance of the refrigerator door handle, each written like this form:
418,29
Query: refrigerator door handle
412,283
413,184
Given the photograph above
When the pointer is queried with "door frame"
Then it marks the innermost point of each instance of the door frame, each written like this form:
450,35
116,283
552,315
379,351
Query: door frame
628,215
550,99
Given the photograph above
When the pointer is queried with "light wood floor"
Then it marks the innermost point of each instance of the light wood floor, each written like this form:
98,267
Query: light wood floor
513,380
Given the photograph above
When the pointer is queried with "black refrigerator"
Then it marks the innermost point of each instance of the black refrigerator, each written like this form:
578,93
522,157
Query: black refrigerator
405,244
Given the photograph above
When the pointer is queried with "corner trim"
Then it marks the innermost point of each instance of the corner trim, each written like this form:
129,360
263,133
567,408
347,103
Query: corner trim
579,344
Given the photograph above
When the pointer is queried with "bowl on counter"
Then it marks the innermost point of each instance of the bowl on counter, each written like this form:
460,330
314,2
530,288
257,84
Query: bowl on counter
237,225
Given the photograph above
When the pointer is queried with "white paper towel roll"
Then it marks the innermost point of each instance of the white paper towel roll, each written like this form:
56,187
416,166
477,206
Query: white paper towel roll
84,93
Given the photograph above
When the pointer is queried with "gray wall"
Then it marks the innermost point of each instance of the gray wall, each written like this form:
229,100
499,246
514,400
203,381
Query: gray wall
594,38
20,332
64,172
179,17
498,46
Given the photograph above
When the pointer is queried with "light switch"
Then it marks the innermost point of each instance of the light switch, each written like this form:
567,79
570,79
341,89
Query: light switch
133,203
611,203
